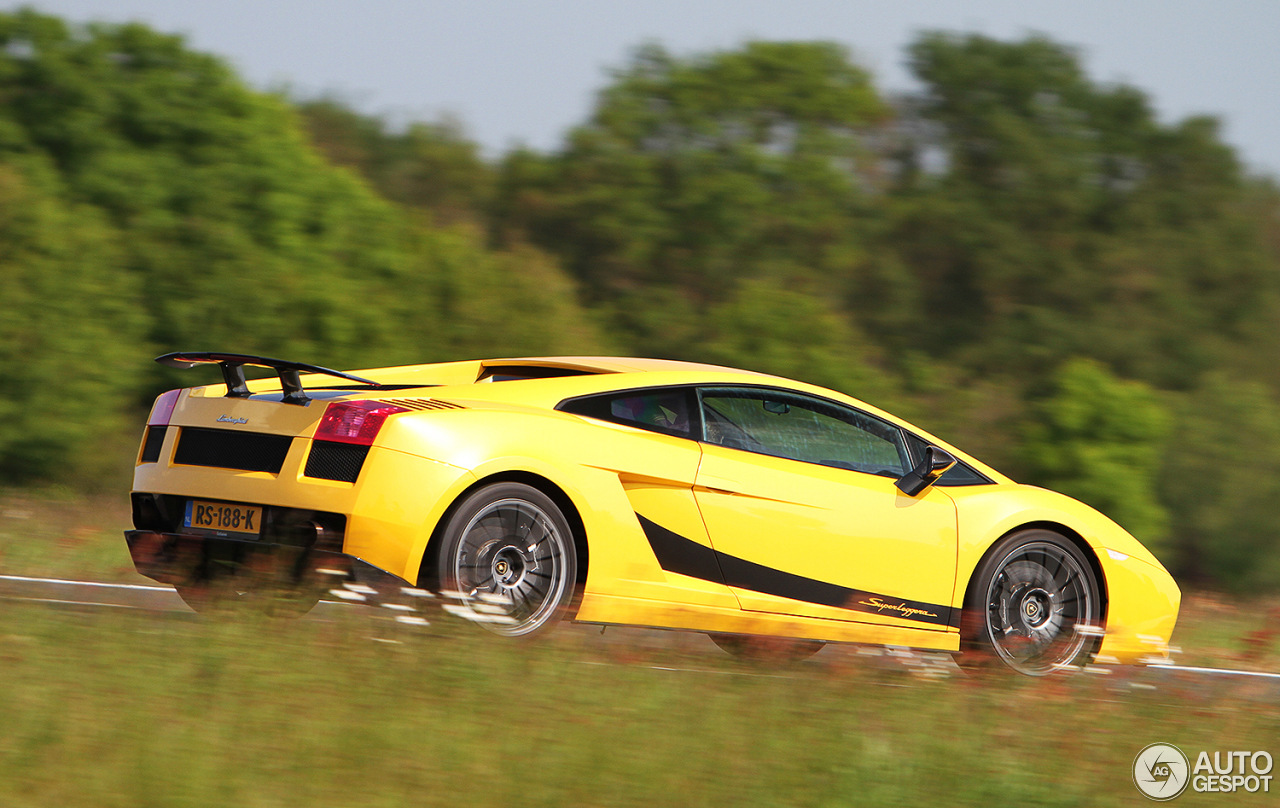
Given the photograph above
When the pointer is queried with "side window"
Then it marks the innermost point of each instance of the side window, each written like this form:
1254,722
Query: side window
802,428
663,410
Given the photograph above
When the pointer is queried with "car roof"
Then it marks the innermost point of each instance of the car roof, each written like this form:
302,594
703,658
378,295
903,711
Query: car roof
461,382
611,364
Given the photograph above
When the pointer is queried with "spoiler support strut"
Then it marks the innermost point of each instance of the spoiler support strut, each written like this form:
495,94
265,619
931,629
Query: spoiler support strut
232,366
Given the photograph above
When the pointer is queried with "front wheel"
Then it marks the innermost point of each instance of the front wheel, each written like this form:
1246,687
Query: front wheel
1034,605
507,554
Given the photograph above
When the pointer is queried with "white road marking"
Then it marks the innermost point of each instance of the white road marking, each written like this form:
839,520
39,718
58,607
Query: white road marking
79,602
900,653
1222,671
80,583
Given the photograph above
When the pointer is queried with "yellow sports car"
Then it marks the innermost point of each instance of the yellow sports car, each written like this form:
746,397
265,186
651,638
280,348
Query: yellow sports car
634,492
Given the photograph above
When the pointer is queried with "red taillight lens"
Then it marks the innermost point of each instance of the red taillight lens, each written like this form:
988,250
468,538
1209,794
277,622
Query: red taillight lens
162,410
355,421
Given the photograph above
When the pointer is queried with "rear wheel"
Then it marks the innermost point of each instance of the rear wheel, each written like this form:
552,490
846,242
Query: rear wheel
507,555
1034,605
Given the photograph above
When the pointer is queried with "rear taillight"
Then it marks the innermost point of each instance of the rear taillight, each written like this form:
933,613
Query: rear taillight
355,422
162,410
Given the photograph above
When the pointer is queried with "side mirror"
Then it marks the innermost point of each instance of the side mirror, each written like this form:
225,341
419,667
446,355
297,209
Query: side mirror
935,463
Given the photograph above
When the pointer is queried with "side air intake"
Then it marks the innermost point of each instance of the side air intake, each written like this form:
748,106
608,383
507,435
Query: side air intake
152,445
335,461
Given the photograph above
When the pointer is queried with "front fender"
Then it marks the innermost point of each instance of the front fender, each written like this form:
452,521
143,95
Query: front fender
1142,598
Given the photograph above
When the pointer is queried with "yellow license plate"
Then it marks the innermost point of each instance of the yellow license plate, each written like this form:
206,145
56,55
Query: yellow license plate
222,517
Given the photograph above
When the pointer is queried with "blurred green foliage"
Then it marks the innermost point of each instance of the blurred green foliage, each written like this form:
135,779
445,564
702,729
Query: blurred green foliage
150,201
1021,259
1097,438
430,166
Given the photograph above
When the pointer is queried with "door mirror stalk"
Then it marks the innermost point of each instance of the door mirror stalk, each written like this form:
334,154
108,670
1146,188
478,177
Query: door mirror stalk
933,465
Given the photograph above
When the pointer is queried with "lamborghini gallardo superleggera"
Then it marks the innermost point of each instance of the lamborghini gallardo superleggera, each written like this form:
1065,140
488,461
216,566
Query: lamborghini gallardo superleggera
629,492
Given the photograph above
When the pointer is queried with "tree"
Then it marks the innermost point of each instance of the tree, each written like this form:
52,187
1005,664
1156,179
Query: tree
429,165
238,234
1065,221
1220,478
1098,439
70,329
787,333
150,201
694,174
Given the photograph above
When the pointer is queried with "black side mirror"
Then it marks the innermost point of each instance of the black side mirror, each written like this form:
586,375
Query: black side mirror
933,465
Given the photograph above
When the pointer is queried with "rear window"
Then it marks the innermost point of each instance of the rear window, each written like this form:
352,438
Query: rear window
665,410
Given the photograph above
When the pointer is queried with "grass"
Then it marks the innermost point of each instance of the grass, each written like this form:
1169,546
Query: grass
126,709
57,534
117,708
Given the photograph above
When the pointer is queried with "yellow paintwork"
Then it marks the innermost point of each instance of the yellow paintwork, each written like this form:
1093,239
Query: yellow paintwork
851,529
828,524
663,614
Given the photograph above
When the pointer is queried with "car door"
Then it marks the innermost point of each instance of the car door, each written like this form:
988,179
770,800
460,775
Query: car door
798,497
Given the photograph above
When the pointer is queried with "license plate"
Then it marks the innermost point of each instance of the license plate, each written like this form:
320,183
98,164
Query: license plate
223,518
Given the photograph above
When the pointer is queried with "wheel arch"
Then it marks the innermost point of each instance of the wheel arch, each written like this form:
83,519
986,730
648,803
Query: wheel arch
428,574
1054,527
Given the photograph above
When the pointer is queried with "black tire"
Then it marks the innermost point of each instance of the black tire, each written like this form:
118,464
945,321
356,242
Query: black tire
507,560
766,649
1034,605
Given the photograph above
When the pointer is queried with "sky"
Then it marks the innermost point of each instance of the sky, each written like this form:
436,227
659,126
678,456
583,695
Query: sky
523,72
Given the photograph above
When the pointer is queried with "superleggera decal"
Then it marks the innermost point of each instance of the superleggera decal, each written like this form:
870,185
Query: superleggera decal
683,556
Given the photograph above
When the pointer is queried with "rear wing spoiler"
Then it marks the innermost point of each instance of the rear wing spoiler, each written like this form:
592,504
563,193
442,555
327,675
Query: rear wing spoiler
232,366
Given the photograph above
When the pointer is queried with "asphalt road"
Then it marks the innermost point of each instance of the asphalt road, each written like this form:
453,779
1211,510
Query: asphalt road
401,607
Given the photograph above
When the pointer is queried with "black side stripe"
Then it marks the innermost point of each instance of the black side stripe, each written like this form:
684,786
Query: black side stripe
683,556
680,555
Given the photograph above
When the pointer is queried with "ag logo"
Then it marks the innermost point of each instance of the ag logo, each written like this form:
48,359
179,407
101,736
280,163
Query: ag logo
1160,771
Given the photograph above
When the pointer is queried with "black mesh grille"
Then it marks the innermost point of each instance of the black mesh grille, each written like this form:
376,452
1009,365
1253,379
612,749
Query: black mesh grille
335,461
151,446
224,449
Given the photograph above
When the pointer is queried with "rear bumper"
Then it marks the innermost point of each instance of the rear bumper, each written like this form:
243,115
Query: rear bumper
389,512
183,559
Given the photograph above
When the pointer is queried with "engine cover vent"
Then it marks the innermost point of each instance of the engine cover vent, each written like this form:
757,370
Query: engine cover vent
424,404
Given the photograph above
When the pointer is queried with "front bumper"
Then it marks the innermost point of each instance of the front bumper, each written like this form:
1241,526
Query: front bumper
1142,613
